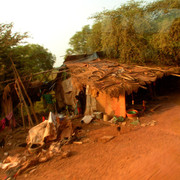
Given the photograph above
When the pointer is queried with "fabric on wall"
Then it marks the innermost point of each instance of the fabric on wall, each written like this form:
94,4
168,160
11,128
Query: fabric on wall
69,92
90,105
67,85
69,99
59,96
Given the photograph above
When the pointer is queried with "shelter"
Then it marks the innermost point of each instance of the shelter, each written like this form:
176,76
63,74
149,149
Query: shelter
104,83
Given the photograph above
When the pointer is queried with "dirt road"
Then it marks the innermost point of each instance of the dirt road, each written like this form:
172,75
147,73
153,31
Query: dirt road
146,153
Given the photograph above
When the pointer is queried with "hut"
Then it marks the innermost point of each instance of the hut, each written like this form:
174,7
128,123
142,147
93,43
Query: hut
104,84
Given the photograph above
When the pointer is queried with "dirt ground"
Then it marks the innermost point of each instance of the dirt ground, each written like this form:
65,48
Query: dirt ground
147,151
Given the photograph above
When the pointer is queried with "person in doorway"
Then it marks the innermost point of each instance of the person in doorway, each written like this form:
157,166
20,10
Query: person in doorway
78,108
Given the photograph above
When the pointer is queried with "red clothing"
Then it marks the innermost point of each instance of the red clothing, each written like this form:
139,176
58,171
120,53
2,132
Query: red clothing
2,124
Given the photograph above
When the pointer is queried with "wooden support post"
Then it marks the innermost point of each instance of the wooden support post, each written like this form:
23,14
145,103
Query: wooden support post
21,103
30,102
26,106
21,94
22,115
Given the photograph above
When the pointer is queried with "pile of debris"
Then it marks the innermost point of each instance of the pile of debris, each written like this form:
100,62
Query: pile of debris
44,141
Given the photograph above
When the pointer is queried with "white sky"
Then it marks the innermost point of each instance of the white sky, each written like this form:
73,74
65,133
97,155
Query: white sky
51,23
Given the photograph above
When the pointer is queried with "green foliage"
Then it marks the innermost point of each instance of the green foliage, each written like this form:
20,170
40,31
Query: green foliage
95,41
121,37
32,58
163,5
8,40
79,42
28,59
167,44
134,33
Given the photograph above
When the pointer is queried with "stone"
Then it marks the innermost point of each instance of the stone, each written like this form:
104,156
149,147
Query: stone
43,159
6,154
87,140
66,154
105,139
148,123
152,124
143,125
123,123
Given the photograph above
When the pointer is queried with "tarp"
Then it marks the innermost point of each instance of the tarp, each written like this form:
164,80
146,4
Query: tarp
67,85
83,57
69,92
46,129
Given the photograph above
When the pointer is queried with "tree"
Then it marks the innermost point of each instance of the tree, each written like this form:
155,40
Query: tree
8,40
165,38
95,41
134,33
32,58
69,51
167,44
121,35
29,58
80,41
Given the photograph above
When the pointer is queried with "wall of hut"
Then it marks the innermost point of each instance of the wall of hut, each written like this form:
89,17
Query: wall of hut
95,101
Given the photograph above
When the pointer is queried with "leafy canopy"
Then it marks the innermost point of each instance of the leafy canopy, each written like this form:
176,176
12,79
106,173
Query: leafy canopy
29,58
134,33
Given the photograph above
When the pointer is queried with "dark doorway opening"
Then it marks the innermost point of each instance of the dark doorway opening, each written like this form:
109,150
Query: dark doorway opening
165,86
82,99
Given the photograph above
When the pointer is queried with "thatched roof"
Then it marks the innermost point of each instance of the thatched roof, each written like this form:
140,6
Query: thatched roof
112,77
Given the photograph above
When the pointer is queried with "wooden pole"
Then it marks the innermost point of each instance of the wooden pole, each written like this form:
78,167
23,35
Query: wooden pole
22,115
36,74
21,94
30,102
27,109
21,103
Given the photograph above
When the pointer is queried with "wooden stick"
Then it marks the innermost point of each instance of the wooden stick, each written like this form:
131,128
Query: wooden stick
27,109
175,75
21,94
30,102
22,115
35,74
21,102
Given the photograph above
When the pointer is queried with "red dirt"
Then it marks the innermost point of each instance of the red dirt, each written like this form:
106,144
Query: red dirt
151,153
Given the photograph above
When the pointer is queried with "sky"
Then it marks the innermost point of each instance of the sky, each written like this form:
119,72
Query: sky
51,23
